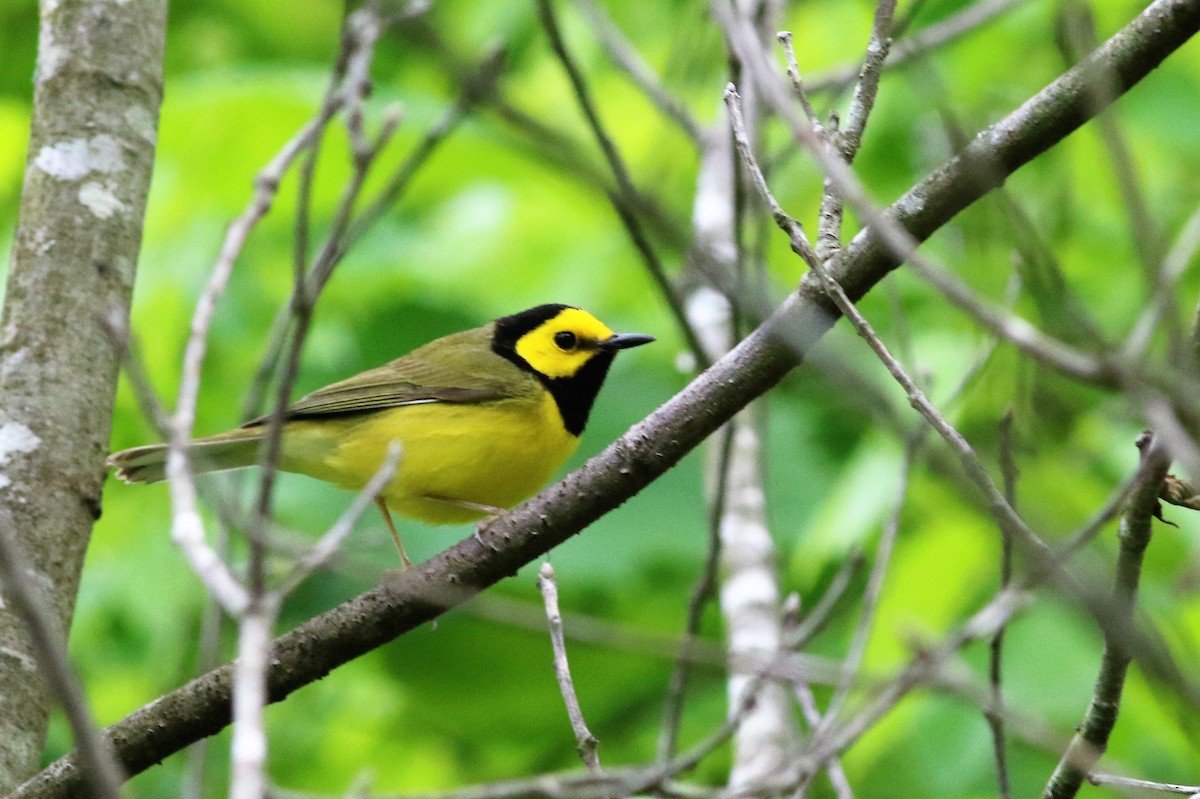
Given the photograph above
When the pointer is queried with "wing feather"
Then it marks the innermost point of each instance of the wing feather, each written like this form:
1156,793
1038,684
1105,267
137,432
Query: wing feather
459,369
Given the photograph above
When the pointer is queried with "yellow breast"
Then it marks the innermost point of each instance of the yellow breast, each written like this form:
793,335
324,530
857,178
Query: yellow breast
496,454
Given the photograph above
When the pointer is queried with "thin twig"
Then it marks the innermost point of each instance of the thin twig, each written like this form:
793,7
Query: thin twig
852,662
363,30
798,239
99,762
134,365
816,619
356,227
920,42
702,594
837,774
1045,561
546,142
867,87
995,710
586,742
793,71
1098,778
784,667
329,543
891,234
187,529
622,198
808,706
1162,304
1001,510
844,142
477,85
1092,739
925,667
625,56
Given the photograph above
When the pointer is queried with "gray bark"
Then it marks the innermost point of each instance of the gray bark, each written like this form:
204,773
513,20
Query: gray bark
97,93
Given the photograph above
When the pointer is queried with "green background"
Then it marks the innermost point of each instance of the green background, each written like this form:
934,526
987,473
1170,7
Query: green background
494,224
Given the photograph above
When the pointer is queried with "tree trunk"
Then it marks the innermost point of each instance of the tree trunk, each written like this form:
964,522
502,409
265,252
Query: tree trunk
97,93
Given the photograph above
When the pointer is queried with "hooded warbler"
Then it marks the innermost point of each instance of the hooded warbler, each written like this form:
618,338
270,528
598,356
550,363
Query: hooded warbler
484,418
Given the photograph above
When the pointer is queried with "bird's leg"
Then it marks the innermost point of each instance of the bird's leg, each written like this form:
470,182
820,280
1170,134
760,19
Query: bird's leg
387,517
491,511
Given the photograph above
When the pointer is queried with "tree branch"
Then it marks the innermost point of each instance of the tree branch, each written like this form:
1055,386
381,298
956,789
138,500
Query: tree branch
586,742
1092,739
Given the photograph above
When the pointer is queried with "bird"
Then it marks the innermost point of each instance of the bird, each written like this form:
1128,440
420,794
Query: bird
483,418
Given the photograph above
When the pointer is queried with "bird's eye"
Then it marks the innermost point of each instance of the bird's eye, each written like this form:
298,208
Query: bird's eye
565,340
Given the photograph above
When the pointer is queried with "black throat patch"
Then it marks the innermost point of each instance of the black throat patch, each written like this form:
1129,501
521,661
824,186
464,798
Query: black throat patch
573,395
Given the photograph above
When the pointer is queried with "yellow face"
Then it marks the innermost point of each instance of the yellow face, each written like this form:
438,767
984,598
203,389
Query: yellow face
560,346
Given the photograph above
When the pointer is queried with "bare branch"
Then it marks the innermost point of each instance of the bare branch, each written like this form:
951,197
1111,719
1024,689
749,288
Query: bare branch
1097,778
807,701
837,774
1092,739
625,56
795,231
476,86
363,28
99,762
187,529
925,667
867,87
248,749
921,42
331,541
874,590
622,198
793,71
806,628
586,742
1162,304
995,711
703,592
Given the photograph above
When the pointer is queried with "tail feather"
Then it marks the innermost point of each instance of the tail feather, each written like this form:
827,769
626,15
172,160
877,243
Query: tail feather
148,464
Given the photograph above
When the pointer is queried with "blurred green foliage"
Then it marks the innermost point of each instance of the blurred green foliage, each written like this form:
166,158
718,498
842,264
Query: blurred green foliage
495,223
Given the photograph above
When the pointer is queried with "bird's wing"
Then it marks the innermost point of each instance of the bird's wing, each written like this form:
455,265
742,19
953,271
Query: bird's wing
453,376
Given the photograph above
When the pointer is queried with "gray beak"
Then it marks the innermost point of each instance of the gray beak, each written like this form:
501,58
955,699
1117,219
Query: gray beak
623,341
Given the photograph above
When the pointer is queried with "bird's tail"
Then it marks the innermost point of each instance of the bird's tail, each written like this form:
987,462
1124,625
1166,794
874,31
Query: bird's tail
233,450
